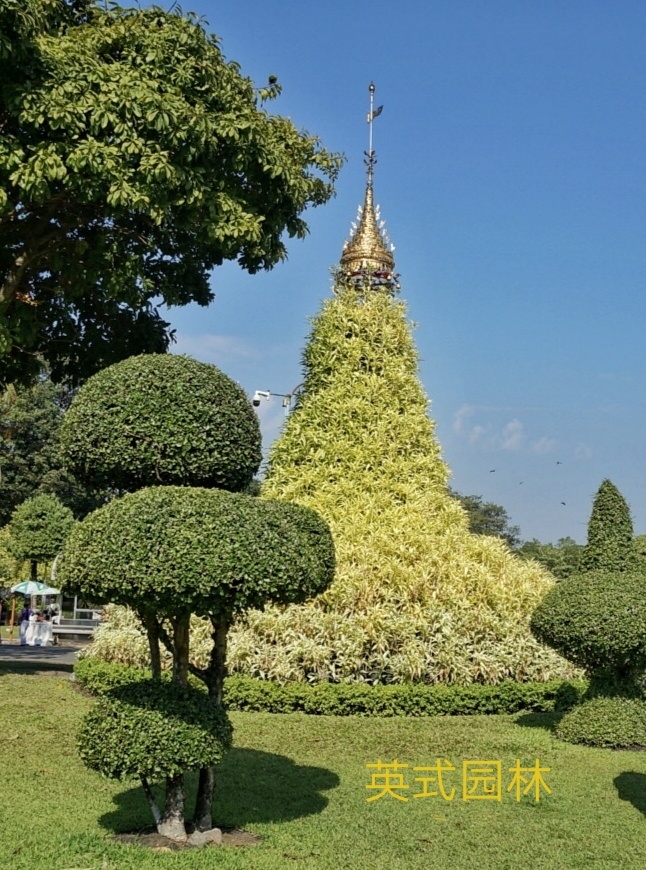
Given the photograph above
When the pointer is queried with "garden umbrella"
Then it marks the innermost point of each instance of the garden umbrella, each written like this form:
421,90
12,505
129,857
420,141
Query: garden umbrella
32,587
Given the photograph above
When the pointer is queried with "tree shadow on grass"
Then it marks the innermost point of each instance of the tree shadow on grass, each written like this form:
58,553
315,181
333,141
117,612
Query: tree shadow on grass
547,721
251,787
631,787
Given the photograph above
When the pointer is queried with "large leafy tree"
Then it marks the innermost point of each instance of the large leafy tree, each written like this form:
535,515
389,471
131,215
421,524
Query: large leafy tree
134,159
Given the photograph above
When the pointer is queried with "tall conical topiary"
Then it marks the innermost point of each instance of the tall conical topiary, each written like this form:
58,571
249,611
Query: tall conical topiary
416,595
610,532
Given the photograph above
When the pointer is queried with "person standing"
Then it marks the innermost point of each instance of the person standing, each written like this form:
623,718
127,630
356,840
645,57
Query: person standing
23,621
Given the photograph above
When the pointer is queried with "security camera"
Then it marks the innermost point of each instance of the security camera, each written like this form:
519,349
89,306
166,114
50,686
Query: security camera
258,395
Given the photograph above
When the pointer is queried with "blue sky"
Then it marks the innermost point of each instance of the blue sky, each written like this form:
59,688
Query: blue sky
512,179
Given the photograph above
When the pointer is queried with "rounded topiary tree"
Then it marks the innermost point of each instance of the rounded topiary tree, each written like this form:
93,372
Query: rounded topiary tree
161,419
182,550
597,619
39,527
149,729
610,532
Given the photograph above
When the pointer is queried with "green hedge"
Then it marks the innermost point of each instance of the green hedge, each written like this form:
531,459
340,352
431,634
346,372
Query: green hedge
333,699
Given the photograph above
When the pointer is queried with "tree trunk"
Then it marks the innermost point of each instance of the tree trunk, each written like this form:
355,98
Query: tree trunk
152,630
203,815
215,672
172,822
34,571
181,626
152,803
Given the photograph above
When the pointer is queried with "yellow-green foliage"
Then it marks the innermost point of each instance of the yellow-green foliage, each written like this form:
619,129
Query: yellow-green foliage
416,595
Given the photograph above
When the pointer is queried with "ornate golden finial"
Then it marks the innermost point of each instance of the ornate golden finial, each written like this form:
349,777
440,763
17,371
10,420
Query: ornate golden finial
367,260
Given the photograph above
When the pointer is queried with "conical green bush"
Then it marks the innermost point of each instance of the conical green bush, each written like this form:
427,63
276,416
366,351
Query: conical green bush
610,532
416,595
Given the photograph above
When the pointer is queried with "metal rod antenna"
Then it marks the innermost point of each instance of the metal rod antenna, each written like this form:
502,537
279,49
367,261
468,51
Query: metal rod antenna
370,116
370,122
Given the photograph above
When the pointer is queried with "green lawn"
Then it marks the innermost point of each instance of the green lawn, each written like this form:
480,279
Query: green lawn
299,782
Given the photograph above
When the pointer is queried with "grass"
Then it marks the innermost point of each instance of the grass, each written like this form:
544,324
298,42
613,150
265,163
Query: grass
299,782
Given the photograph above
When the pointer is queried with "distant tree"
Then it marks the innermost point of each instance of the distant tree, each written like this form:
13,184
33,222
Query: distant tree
30,454
135,158
610,532
487,518
39,528
561,559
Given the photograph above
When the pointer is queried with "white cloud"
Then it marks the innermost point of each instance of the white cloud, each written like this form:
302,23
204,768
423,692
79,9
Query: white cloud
476,433
211,348
512,435
461,417
583,451
543,445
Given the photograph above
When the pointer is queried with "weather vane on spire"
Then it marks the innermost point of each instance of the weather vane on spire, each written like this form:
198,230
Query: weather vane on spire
372,114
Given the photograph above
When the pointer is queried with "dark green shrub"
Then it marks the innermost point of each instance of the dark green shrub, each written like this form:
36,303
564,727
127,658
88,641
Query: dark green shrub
179,549
329,699
605,721
151,729
161,419
610,532
357,699
596,620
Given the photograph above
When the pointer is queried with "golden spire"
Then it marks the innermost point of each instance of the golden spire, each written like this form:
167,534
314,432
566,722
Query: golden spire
367,259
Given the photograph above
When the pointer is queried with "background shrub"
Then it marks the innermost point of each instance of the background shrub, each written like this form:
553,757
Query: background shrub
161,419
39,527
332,699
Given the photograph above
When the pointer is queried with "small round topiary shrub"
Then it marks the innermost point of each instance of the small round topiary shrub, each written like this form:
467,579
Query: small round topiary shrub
606,722
597,620
151,729
161,419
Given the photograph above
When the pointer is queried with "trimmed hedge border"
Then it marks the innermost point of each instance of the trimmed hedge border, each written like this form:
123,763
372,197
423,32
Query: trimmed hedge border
246,694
